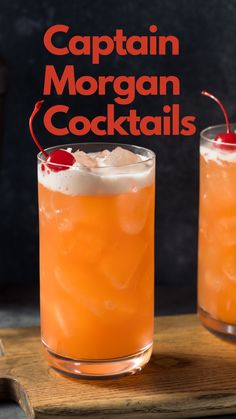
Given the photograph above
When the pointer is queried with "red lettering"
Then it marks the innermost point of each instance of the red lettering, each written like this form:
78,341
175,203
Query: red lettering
133,119
68,76
93,85
94,125
174,43
48,39
97,50
188,125
175,85
156,125
143,45
119,39
145,91
128,92
103,80
48,120
84,40
115,124
75,121
175,119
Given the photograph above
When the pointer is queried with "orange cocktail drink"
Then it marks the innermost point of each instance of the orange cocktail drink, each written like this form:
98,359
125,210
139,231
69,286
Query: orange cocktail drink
217,234
97,260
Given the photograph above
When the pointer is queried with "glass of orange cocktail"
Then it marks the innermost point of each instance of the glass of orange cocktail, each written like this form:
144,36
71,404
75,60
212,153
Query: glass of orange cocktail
97,259
217,233
217,227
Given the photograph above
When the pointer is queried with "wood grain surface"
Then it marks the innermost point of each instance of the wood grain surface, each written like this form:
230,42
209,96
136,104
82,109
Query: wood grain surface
191,373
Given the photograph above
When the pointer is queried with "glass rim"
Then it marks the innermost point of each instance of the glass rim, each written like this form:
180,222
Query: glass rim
218,126
41,157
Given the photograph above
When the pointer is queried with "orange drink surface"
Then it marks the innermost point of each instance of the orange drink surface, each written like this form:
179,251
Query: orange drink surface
217,233
97,262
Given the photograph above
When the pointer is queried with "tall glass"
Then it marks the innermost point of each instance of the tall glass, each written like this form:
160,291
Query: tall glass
217,234
97,264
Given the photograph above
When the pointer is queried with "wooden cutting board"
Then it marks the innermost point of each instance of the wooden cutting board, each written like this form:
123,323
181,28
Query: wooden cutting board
192,373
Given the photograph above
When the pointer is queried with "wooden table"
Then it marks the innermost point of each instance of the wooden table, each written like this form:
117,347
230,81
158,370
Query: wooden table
192,373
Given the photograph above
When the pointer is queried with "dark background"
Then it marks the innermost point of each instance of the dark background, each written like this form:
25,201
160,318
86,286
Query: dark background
207,34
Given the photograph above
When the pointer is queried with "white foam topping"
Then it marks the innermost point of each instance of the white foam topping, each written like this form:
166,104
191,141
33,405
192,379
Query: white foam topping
210,152
100,173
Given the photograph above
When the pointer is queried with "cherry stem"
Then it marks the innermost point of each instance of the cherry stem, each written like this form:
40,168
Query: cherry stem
35,111
204,93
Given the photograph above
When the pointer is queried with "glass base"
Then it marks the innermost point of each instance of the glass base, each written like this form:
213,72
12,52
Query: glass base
99,368
217,327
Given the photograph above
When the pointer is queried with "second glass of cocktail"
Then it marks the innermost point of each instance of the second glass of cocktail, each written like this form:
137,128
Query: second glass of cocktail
217,229
97,259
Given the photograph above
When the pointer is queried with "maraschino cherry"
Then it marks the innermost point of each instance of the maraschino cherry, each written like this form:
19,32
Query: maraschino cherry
223,140
58,159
